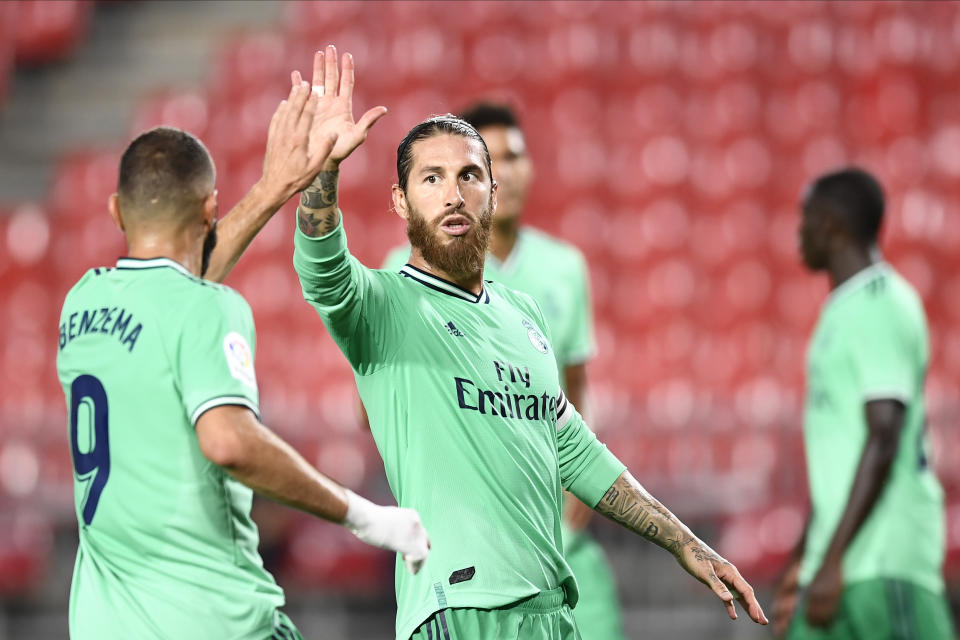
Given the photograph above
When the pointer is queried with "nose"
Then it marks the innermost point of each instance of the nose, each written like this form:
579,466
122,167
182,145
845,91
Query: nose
453,199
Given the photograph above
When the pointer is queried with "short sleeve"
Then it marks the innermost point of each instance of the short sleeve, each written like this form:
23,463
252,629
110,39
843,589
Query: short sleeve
215,357
882,355
582,345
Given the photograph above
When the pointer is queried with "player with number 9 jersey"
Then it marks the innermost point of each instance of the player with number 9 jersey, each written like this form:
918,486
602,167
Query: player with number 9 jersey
167,546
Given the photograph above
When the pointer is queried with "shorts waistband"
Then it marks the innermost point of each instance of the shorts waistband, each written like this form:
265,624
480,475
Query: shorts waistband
543,602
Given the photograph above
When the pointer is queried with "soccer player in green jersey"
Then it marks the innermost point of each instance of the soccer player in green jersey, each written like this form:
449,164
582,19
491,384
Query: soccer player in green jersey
157,366
463,393
869,565
554,274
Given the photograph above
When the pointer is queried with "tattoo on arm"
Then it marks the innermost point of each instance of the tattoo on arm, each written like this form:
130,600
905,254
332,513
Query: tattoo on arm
629,504
318,213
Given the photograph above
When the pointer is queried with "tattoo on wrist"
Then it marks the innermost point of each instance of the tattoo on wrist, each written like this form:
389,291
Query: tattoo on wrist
640,512
318,214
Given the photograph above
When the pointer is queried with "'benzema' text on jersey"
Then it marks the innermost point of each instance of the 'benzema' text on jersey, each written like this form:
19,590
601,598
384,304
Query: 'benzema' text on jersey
103,320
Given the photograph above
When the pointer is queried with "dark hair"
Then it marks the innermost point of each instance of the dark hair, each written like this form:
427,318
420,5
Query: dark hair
855,198
489,114
164,170
430,127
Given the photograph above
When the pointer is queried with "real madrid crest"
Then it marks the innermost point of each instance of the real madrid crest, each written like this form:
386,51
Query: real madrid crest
536,338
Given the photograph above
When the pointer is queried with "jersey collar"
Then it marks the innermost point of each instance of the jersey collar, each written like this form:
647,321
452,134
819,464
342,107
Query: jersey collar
859,279
444,286
152,263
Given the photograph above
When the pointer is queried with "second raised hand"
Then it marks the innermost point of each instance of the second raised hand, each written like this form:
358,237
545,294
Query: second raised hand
334,113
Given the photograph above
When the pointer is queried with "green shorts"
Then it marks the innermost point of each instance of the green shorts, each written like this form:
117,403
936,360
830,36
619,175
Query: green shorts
283,628
881,609
545,616
598,610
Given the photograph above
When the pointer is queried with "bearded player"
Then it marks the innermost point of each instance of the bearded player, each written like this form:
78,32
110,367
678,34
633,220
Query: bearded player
463,393
555,275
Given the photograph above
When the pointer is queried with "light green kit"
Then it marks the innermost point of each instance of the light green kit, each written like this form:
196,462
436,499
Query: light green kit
871,343
462,392
167,547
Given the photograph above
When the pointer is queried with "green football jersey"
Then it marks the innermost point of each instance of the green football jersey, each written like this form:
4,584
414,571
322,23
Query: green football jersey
555,275
871,343
462,392
167,547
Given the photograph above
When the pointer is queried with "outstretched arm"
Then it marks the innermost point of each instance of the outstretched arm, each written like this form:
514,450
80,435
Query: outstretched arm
629,504
294,156
231,437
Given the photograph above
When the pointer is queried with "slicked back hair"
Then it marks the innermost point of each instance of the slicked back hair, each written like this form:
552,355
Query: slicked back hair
165,172
490,114
855,198
435,125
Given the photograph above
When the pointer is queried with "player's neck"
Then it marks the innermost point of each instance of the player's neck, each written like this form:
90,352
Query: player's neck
846,264
179,250
472,282
503,237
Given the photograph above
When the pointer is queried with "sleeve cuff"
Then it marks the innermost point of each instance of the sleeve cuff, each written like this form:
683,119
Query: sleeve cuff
594,481
219,402
322,247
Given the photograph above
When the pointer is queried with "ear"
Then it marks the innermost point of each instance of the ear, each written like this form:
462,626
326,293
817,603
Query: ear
399,201
210,208
113,206
493,196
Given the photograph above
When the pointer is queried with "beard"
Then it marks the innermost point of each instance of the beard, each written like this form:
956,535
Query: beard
459,256
208,244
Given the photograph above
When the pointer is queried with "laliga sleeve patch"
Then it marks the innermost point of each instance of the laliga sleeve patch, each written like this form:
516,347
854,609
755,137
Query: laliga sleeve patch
240,359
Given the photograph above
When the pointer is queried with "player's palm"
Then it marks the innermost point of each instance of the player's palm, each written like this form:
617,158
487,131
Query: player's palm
334,113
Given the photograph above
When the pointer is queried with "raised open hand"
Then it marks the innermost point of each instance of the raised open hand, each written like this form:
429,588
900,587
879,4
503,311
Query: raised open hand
334,111
296,152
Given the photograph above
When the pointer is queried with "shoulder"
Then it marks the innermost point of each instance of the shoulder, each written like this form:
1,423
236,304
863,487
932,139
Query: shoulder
887,299
396,257
515,298
552,250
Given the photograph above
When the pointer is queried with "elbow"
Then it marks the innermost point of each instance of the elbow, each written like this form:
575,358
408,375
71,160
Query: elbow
223,447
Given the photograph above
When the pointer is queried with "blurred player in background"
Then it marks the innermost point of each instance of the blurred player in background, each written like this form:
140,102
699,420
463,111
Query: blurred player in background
870,563
555,275
157,366
464,394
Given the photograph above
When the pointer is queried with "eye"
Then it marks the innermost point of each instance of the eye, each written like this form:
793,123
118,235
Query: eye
432,179
469,176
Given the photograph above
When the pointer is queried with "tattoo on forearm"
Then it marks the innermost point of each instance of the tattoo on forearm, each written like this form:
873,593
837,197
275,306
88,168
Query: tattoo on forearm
318,213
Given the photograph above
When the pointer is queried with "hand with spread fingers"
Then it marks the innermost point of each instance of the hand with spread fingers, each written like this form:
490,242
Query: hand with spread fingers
296,151
333,86
704,564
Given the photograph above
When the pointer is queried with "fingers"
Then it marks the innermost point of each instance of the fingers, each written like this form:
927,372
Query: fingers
317,69
744,592
346,77
370,118
721,591
331,74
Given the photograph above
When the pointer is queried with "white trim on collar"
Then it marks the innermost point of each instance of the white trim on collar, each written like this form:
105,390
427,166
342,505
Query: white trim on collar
152,263
444,286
